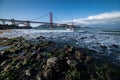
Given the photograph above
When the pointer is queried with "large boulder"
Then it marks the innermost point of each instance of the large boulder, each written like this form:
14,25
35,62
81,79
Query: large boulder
55,67
80,55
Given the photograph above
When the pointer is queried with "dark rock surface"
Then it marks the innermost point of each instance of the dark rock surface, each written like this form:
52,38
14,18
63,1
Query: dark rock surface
39,59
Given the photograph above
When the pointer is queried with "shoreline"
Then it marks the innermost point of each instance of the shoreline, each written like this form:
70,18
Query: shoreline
2,31
46,60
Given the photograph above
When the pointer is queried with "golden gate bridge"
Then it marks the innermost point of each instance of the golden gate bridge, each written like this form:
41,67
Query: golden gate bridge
27,23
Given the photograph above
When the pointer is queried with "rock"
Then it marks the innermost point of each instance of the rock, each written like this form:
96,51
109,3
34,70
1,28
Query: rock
3,58
40,37
83,38
27,35
28,72
31,73
8,67
73,75
88,59
69,61
48,74
70,48
103,46
18,65
92,36
52,62
36,65
39,56
4,62
26,45
25,61
33,56
98,43
54,67
5,52
115,46
38,77
72,63
40,49
79,55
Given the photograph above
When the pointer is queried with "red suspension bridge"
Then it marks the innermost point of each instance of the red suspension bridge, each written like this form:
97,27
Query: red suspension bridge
28,22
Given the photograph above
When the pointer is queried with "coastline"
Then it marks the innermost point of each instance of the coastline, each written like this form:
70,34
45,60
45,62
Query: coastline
2,31
39,58
32,54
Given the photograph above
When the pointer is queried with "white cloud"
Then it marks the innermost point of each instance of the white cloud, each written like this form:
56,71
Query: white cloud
104,18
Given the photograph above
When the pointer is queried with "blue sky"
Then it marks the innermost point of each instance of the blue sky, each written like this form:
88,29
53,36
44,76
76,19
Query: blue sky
63,10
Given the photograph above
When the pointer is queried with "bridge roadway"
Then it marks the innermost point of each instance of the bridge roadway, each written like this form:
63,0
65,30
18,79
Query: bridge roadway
21,21
27,22
12,20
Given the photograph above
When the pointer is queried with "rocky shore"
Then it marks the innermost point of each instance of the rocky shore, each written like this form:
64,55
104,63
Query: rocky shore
2,31
40,59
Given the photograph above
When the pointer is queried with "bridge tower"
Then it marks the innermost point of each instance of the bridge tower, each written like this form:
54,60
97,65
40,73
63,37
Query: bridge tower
13,21
51,20
72,24
28,23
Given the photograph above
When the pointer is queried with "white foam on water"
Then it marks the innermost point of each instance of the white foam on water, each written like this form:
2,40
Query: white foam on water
87,40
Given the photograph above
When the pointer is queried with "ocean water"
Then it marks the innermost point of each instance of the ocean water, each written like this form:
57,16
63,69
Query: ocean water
105,41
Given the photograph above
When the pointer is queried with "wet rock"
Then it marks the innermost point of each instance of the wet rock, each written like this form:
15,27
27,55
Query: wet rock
33,56
5,52
3,38
115,46
3,63
39,56
18,65
73,75
3,58
54,67
49,74
98,43
79,55
69,48
88,59
40,37
84,38
27,35
38,77
103,46
40,49
92,36
8,67
28,72
72,63
36,65
26,45
25,61
53,62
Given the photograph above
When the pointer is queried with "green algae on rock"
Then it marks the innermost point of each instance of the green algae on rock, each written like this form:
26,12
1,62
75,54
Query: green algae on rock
46,60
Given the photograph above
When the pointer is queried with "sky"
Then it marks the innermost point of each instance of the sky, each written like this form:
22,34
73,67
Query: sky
86,12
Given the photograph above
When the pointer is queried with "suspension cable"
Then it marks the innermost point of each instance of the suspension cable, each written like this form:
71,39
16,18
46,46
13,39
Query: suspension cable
40,17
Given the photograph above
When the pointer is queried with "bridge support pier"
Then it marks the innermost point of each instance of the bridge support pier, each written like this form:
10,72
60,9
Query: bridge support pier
13,22
28,23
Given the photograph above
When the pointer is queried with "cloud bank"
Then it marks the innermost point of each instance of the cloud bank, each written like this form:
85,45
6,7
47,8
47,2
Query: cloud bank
104,18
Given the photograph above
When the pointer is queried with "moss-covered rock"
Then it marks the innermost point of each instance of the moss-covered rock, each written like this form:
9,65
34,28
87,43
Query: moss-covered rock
46,60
